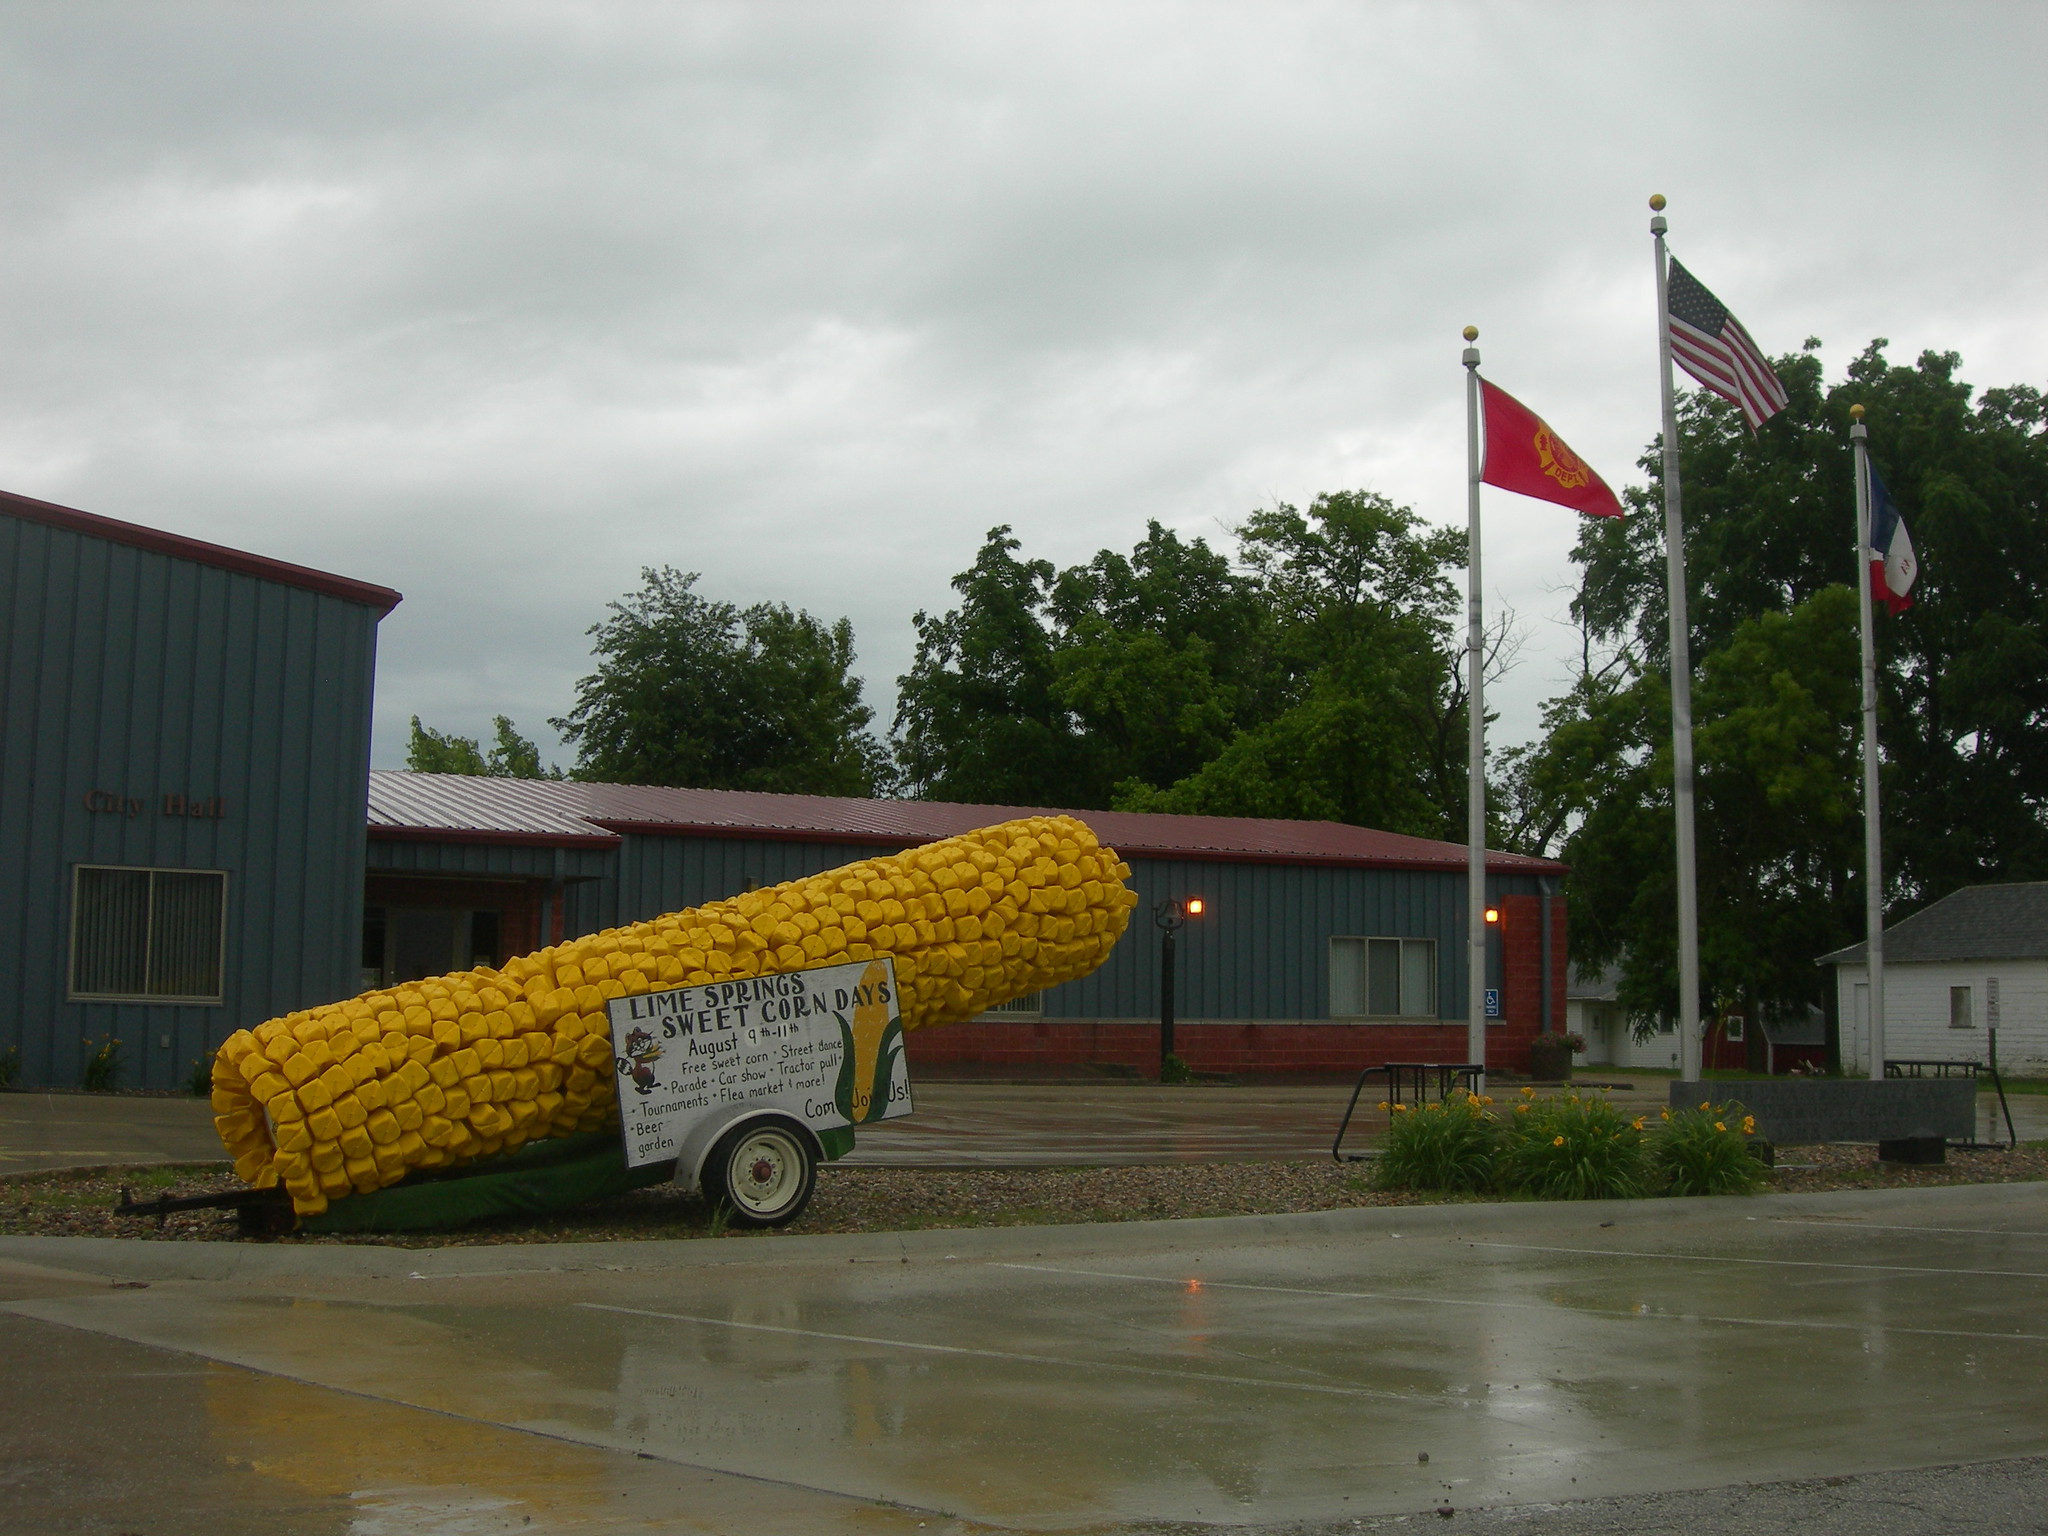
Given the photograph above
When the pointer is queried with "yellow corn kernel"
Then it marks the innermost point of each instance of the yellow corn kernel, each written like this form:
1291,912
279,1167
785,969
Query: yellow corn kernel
477,1062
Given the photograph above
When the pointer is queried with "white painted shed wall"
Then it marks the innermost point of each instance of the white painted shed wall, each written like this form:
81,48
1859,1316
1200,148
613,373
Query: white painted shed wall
1609,1042
1916,1015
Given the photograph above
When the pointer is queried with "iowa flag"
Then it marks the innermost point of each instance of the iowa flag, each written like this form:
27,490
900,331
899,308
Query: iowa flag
1524,455
1893,565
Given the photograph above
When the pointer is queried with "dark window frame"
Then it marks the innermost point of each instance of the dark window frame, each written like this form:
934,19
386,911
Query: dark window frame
1431,1007
213,999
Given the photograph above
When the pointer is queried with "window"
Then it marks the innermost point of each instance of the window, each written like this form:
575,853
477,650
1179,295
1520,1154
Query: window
1960,1015
1383,978
147,935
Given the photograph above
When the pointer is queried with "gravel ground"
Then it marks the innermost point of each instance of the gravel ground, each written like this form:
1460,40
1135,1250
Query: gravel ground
79,1203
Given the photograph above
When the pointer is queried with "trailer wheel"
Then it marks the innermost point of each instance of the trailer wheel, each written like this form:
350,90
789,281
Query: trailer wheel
763,1173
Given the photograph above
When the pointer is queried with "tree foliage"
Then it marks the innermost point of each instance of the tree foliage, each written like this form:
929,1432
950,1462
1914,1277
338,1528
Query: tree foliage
707,695
1315,677
511,756
1769,527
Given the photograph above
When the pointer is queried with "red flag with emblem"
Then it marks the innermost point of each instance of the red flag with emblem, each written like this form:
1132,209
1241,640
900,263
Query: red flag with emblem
1524,455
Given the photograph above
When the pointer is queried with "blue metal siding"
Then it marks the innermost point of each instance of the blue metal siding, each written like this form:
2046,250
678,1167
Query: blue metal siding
1261,949
666,874
146,675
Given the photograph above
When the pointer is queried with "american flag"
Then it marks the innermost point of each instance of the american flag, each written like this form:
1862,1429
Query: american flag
1711,345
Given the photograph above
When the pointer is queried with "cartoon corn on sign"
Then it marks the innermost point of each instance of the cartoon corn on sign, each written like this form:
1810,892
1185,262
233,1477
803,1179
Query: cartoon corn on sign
872,1064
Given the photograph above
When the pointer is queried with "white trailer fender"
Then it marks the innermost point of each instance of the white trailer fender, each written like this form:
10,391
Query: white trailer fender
703,1136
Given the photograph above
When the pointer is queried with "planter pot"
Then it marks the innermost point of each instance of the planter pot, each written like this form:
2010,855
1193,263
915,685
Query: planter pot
1550,1060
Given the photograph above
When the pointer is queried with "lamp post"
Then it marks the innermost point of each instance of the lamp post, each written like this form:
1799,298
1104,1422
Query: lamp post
1170,916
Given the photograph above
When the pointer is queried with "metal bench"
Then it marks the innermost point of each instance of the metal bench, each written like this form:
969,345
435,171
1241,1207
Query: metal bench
1445,1076
1974,1070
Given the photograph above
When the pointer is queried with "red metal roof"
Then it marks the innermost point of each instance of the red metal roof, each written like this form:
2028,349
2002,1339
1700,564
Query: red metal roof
383,599
458,807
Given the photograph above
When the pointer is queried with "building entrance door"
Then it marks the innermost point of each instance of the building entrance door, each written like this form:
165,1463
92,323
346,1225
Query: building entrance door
423,943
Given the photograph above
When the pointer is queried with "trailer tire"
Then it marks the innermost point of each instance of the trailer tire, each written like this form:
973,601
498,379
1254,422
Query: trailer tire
762,1172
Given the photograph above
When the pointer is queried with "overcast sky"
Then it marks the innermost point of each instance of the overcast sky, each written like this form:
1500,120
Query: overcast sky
498,303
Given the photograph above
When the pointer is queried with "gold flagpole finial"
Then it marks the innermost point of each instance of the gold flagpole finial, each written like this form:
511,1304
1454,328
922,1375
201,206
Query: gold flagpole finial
1471,333
1856,412
1656,202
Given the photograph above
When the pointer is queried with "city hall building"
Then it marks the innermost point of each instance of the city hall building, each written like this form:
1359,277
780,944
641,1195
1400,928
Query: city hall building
191,841
184,744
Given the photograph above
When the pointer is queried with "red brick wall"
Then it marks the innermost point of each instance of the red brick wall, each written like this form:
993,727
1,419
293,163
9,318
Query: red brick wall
1521,941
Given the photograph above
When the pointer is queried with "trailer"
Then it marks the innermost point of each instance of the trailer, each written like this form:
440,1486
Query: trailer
736,1090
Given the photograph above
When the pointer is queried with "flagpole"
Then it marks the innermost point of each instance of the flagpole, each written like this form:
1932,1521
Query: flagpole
1475,733
1873,840
1681,686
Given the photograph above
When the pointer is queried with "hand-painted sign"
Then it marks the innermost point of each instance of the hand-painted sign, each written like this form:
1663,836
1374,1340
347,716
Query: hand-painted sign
825,1046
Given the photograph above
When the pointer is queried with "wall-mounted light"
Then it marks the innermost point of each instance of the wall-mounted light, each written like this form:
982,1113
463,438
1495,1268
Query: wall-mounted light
1195,906
1493,914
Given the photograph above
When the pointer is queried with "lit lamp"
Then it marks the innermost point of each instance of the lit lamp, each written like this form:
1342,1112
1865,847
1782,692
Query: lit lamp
1170,915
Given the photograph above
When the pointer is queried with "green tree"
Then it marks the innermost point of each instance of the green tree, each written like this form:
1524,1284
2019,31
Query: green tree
515,757
977,715
512,756
708,695
1315,677
1769,549
1364,705
432,752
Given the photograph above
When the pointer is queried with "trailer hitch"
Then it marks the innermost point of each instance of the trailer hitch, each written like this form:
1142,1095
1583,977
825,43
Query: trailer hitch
258,1212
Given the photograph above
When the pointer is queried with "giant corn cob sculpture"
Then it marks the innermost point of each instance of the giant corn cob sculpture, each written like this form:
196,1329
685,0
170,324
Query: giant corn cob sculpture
352,1096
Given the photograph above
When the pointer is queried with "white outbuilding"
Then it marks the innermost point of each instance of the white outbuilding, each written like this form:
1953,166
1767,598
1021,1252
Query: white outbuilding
1593,1011
1973,962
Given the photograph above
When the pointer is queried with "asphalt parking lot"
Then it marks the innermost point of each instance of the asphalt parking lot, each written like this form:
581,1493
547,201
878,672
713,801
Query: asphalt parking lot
957,1125
1551,1363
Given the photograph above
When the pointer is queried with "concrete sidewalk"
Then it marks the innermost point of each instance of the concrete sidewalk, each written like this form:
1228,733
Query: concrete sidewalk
1550,1367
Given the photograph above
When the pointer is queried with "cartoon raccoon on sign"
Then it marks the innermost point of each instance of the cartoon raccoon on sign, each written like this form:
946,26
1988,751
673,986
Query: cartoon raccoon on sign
643,1050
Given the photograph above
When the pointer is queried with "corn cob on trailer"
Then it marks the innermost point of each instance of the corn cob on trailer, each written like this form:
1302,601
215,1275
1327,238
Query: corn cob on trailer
729,1047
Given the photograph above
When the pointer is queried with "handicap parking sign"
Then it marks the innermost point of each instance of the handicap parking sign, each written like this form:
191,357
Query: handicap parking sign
1493,1002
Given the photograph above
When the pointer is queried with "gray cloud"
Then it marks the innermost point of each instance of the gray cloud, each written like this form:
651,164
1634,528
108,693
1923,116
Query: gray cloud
499,304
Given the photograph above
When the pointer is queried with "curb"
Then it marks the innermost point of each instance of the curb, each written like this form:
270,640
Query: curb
144,1259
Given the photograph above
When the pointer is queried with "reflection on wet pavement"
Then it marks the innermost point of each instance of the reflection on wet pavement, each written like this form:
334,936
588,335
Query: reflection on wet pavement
1531,1354
1004,1125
